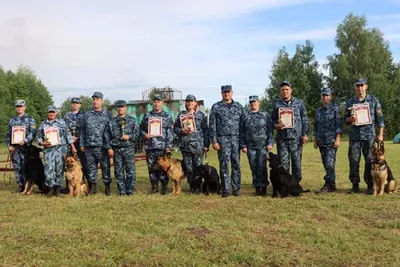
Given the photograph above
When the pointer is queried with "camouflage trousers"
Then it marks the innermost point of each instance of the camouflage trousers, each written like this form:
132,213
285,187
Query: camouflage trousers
354,154
328,156
291,150
18,162
124,169
191,162
94,156
229,151
155,173
54,165
258,164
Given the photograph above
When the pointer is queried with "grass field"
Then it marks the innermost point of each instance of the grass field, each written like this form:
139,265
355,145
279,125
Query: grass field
194,230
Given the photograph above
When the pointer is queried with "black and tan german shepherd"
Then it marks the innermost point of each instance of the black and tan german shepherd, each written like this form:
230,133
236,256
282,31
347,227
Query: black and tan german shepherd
382,177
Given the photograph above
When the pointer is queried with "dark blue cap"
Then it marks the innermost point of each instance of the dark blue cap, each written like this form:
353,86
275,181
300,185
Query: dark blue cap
98,95
76,100
253,98
361,81
190,97
226,88
120,103
326,91
51,108
285,83
157,97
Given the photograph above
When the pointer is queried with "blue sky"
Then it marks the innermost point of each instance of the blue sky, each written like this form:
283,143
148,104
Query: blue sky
123,47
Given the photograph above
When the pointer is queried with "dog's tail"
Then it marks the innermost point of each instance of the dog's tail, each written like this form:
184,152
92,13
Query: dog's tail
306,191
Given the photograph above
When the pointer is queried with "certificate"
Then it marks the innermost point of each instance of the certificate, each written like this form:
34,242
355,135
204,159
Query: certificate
188,122
363,114
286,116
52,135
155,126
17,134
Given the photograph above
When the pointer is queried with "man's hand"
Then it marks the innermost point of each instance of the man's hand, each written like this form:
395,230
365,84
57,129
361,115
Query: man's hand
216,146
304,139
379,137
21,143
83,149
337,143
110,152
45,144
244,150
205,149
168,150
280,126
11,148
147,136
269,148
74,139
187,131
125,137
351,120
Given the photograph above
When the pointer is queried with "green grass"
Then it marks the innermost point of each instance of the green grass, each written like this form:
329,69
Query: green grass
144,230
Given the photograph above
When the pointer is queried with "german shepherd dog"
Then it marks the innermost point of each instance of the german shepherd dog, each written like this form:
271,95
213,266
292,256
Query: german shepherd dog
74,173
382,177
174,171
34,170
207,178
282,181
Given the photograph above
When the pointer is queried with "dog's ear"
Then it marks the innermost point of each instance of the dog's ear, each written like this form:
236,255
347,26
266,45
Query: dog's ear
75,156
382,146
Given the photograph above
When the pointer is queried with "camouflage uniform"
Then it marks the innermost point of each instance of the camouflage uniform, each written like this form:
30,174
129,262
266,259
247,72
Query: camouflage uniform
225,120
192,145
327,124
54,155
256,135
18,155
92,132
362,139
289,140
157,145
124,151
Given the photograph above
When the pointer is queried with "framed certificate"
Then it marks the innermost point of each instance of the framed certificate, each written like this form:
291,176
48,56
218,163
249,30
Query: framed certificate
17,134
52,135
188,122
155,126
286,116
363,114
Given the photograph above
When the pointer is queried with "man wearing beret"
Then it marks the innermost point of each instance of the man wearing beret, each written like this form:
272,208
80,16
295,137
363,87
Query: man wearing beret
54,136
256,141
156,129
191,127
22,125
119,138
92,144
289,117
363,132
327,130
74,120
225,120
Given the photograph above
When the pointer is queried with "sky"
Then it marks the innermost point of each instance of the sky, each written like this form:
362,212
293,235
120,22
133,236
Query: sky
124,47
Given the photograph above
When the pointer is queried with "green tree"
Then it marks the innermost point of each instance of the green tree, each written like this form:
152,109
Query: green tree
86,104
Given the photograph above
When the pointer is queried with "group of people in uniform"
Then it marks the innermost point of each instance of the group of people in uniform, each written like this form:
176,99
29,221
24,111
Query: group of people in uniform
96,137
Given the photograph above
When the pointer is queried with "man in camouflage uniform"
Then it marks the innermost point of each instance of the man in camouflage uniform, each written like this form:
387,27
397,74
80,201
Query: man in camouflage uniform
17,150
120,136
92,144
157,143
225,120
256,142
193,138
290,141
54,149
363,136
327,131
74,119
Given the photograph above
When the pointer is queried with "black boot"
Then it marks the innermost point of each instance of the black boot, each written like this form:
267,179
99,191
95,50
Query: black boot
258,191
355,189
50,193
57,191
325,188
92,188
66,189
164,188
20,188
263,191
107,190
154,187
370,191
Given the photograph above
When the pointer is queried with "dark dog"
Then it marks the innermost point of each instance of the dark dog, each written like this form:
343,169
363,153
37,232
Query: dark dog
282,181
34,170
207,177
382,177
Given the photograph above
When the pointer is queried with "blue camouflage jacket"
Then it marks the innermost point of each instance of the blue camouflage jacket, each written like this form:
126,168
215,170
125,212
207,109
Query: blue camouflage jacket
256,130
30,128
63,131
93,127
74,122
113,132
300,128
327,124
225,120
366,132
196,141
165,141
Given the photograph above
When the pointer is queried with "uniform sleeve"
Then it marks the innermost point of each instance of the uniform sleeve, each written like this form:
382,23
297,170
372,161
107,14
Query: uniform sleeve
274,114
82,136
213,125
304,120
242,132
39,136
177,126
135,133
107,136
144,126
169,136
270,135
32,131
206,131
68,135
8,133
315,124
339,120
379,122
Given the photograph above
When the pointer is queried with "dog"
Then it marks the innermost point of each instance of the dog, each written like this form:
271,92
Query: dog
207,178
34,170
382,177
282,181
174,170
74,174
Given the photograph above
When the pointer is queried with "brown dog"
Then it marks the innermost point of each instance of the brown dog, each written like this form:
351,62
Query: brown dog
173,169
382,177
74,173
